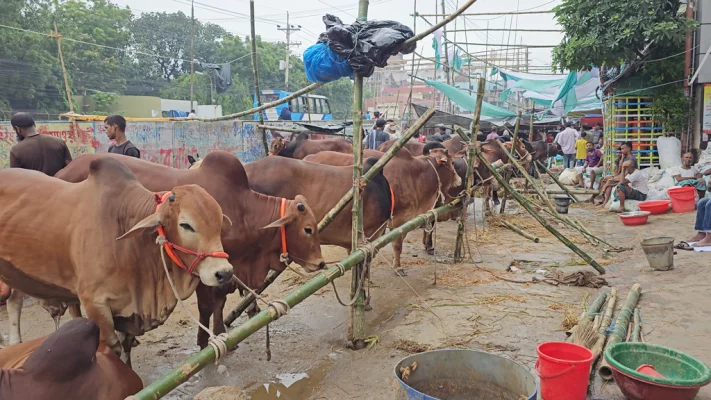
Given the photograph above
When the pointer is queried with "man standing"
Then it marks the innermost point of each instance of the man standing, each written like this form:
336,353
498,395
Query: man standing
566,140
597,132
633,186
115,126
376,115
593,165
377,136
44,153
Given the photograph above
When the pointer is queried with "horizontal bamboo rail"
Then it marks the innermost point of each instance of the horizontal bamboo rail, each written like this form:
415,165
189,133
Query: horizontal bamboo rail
449,18
206,356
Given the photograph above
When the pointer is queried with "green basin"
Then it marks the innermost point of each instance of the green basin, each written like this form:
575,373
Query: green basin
678,368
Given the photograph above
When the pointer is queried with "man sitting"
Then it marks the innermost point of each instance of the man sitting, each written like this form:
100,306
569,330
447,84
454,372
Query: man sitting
633,186
688,174
593,165
703,224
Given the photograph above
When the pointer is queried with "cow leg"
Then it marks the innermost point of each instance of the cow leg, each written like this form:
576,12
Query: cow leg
14,311
495,196
102,316
397,250
206,307
126,341
75,310
427,241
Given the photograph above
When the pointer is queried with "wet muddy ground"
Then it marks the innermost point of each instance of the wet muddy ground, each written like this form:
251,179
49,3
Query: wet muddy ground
469,307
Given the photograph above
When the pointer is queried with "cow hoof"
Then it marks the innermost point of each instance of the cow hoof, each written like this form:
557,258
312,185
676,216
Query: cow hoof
430,252
368,307
135,342
496,202
401,272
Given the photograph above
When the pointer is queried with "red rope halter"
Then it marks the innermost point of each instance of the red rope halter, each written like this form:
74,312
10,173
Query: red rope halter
171,247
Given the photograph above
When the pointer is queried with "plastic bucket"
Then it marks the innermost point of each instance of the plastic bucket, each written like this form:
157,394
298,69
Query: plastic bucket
659,252
683,199
562,203
564,369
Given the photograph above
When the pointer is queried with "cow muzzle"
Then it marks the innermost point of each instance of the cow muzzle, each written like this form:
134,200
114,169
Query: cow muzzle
215,271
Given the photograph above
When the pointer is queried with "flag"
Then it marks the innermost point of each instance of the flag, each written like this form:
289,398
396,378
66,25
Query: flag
436,44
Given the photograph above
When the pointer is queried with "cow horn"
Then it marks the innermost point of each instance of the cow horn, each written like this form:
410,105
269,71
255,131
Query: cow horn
226,221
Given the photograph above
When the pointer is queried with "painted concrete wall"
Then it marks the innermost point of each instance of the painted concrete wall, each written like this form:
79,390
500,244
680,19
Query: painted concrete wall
165,142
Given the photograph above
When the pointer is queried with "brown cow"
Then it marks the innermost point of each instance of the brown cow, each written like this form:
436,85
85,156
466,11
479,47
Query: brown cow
492,152
339,160
58,242
453,145
415,148
71,363
253,249
432,176
324,185
302,146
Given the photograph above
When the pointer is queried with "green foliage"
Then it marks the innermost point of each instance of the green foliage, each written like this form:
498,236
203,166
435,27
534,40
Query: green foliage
613,32
108,51
104,101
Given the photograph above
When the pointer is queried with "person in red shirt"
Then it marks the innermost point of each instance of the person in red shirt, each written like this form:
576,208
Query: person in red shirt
549,138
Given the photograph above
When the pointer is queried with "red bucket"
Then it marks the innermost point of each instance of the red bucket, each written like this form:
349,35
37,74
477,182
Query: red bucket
683,199
564,369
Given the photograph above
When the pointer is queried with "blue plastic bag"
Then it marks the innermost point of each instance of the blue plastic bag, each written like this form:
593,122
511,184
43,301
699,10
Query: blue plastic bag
323,65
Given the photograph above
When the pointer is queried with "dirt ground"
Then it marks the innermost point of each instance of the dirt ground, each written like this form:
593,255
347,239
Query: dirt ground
469,307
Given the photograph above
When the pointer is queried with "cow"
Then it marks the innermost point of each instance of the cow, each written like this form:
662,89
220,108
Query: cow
71,363
58,241
302,146
453,145
492,152
431,175
14,299
254,241
541,151
324,185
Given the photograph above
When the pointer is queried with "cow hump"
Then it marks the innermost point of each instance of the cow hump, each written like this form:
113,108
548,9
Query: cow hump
110,170
222,162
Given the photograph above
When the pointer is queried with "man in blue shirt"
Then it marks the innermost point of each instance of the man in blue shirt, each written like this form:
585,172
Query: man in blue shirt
285,114
377,136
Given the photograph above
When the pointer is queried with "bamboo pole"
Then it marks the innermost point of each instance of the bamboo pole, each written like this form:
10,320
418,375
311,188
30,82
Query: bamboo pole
604,324
504,30
341,204
206,356
495,13
509,174
65,75
441,23
249,298
556,191
463,134
459,244
618,333
521,232
589,315
555,179
524,203
356,315
294,130
637,331
255,72
526,176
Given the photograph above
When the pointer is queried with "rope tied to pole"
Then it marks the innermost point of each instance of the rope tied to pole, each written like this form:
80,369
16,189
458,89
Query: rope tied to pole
218,343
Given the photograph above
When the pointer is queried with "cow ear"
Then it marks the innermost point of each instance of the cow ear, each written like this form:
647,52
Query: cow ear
226,221
151,221
280,222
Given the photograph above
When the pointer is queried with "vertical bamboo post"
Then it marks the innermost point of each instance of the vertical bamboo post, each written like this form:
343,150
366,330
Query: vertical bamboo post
73,121
530,128
257,92
356,316
509,174
470,172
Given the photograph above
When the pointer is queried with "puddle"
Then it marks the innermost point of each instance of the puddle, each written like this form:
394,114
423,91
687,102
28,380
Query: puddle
292,386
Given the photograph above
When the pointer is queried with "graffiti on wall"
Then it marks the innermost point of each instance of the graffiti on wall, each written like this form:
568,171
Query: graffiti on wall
165,142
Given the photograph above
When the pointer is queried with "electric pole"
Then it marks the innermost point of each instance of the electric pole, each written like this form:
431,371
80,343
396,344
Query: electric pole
288,29
192,52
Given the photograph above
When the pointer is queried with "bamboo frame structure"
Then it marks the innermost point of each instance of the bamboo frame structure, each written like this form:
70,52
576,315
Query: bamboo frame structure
255,72
619,332
509,174
331,215
525,204
206,356
494,13
521,232
449,18
250,298
462,220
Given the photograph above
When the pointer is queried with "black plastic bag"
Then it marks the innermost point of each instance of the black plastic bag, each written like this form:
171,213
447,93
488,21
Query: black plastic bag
366,45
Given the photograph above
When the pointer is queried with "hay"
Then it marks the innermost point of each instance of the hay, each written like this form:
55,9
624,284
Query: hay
410,346
490,300
570,319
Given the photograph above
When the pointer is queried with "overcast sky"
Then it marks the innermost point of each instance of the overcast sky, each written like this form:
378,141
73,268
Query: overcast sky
233,15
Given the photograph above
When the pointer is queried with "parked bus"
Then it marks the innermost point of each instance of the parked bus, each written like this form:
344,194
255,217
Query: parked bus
318,107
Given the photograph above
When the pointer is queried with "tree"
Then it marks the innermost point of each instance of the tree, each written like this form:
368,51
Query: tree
613,32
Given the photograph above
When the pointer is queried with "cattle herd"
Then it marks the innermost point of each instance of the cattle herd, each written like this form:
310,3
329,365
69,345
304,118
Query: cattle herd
128,239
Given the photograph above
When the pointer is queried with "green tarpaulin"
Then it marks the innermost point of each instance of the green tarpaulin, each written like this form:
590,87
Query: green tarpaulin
467,102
